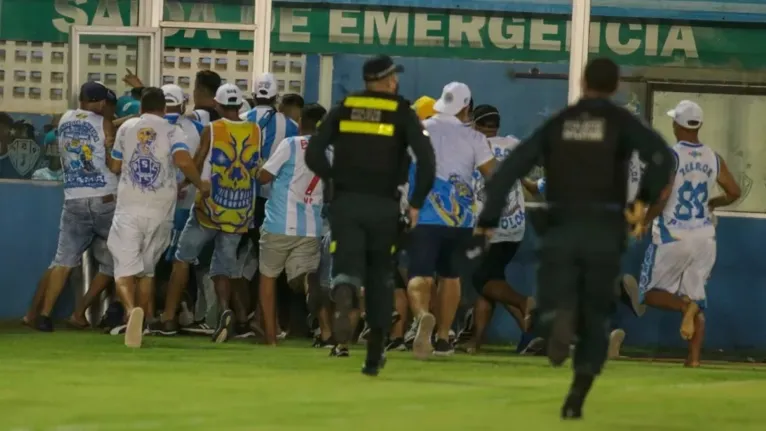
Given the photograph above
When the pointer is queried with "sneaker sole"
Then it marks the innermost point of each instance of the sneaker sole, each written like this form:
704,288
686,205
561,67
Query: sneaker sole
422,347
630,285
561,337
134,332
222,333
616,338
444,354
534,346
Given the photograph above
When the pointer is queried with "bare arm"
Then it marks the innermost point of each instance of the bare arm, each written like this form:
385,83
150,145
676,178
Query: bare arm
110,133
264,176
731,190
204,148
488,168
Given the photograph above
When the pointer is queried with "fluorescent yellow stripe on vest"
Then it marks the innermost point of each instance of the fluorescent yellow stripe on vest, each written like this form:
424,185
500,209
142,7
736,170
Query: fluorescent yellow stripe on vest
366,128
371,103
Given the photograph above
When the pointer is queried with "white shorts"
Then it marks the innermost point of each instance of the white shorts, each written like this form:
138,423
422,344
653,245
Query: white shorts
681,267
296,255
137,243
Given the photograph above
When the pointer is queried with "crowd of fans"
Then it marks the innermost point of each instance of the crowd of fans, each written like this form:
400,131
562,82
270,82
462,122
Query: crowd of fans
268,280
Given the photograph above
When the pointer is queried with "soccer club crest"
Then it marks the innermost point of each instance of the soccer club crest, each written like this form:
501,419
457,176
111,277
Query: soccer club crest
144,167
24,154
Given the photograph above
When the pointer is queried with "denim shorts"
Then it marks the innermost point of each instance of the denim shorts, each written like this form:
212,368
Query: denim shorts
194,238
83,220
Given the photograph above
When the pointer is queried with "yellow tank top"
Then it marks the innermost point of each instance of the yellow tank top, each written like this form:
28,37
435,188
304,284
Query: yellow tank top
235,148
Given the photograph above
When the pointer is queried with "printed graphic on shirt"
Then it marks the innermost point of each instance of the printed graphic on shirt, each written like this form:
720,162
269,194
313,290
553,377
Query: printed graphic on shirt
452,201
144,167
234,157
24,154
77,138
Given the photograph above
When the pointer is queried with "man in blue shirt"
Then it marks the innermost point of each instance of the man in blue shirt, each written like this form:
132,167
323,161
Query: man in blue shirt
275,127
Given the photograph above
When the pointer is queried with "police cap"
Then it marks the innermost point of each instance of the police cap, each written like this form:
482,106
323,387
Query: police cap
379,67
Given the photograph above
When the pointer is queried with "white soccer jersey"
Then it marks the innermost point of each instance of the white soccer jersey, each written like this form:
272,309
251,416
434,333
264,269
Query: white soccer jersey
512,222
148,184
81,141
295,206
686,213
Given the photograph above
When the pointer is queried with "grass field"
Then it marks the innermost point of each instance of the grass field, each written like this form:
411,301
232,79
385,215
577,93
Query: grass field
88,382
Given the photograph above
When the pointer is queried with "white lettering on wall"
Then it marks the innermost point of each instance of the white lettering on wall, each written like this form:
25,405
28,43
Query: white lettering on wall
389,27
425,25
508,36
538,31
471,28
614,43
288,21
680,38
341,20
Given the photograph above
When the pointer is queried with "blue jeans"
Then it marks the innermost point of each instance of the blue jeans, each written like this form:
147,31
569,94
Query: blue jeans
83,220
195,236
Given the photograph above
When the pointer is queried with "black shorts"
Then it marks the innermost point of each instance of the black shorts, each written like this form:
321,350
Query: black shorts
437,250
493,263
259,216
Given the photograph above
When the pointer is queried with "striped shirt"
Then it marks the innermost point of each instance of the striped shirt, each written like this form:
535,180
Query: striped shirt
295,206
275,127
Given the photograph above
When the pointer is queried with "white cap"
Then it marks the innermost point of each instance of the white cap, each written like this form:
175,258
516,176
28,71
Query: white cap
265,86
455,97
229,95
687,114
174,95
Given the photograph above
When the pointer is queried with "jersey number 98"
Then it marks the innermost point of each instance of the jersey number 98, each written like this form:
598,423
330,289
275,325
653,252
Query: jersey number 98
691,201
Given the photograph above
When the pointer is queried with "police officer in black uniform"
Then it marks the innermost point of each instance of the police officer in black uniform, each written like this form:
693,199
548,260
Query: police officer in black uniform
585,150
370,132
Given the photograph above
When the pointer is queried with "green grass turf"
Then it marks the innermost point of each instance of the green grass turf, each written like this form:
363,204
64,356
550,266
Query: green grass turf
88,382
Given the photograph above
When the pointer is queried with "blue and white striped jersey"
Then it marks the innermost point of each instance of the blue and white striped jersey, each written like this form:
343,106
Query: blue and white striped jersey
295,206
275,127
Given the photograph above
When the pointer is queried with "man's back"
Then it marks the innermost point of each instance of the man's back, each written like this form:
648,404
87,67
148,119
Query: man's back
230,166
81,145
687,213
459,151
295,207
275,127
512,224
148,178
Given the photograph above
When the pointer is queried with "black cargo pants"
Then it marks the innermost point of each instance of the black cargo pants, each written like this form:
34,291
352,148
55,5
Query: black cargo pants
364,231
579,260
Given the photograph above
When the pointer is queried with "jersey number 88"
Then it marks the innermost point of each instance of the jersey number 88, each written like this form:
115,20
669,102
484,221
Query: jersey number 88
691,201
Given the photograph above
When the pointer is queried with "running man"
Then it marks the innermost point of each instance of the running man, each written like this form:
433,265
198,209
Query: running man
290,235
681,256
443,226
489,279
228,158
146,200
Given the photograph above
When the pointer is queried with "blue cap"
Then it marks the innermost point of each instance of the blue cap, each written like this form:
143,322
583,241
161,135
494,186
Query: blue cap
93,92
111,96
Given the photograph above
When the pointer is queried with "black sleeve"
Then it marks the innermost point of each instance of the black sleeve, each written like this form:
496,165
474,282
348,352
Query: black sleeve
316,151
654,152
425,160
521,160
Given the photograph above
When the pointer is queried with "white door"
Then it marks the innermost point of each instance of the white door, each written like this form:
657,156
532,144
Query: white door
106,54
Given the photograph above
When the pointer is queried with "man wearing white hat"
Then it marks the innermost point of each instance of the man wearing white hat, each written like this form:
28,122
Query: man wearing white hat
445,222
683,250
275,127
